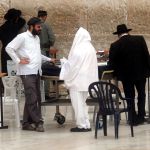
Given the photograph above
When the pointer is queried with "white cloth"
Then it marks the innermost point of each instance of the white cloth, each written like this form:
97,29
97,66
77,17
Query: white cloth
25,45
81,69
63,60
78,100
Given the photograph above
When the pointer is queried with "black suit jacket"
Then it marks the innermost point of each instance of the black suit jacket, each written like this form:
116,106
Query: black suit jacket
129,57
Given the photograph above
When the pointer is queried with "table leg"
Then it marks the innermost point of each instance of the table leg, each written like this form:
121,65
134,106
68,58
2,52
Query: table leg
148,92
1,101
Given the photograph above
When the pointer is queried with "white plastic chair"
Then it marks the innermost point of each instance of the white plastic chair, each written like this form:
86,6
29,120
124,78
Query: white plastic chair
9,98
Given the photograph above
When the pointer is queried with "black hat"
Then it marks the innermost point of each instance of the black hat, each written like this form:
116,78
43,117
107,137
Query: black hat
12,14
122,28
42,13
34,21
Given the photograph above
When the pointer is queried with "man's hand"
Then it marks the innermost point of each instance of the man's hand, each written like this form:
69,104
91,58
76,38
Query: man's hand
63,60
53,60
106,52
53,50
24,61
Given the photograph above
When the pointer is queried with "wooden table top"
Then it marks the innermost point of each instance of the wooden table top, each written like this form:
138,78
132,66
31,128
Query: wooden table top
50,77
2,74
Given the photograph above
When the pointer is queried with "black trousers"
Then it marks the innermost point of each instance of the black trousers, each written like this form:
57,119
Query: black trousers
129,90
32,108
4,58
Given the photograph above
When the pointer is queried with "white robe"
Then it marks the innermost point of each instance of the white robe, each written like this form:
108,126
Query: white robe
81,69
78,72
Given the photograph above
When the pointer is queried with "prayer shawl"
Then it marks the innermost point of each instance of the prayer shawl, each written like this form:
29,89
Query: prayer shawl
81,69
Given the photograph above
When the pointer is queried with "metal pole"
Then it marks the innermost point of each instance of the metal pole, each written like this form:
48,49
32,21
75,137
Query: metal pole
148,97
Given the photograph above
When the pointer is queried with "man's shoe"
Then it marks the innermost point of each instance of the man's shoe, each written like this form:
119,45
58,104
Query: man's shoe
76,129
89,129
141,121
138,122
40,128
148,120
28,127
134,123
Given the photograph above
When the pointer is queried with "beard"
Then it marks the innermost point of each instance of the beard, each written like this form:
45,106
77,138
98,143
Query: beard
35,32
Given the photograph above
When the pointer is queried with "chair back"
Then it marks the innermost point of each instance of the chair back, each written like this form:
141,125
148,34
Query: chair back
107,75
105,94
9,83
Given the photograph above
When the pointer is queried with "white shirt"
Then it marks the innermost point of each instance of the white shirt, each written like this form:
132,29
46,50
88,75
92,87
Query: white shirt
124,34
80,70
25,45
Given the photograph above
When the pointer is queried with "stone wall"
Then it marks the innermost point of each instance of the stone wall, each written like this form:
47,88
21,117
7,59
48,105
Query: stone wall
100,17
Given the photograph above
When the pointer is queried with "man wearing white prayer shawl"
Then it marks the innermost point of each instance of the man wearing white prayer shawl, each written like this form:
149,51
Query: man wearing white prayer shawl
78,72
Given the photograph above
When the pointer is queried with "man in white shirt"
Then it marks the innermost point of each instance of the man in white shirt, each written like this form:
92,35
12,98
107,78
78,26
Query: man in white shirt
26,53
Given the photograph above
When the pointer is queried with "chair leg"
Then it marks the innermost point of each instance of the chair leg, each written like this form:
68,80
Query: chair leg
105,125
43,110
17,114
131,123
94,113
116,124
126,115
96,125
132,133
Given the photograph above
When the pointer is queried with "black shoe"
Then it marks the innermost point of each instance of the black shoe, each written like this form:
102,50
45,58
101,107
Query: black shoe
28,127
40,128
76,129
148,120
89,129
141,121
134,123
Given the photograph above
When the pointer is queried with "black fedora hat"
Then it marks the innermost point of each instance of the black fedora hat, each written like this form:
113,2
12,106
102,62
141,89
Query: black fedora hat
122,28
12,14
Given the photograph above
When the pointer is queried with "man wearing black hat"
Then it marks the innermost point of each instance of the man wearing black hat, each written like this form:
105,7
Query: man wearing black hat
11,27
129,57
26,53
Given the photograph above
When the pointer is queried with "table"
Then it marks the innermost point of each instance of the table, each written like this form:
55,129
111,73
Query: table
60,100
1,101
102,66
